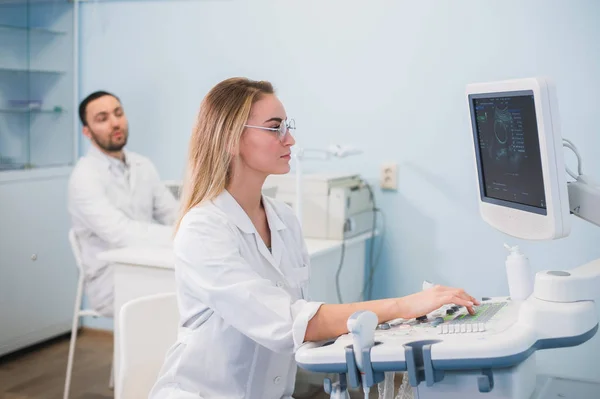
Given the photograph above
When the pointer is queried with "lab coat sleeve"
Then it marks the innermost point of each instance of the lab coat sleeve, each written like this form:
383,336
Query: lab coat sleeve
210,269
165,206
89,204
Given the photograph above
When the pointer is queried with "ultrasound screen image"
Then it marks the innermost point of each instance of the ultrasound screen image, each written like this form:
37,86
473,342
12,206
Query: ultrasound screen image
509,149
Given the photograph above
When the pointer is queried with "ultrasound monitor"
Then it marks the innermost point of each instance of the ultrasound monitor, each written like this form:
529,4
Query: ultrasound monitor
519,158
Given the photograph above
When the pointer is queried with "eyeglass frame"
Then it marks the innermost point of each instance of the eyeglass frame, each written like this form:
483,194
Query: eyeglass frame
289,125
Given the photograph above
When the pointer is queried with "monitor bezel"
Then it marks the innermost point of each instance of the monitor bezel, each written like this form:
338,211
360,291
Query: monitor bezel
511,220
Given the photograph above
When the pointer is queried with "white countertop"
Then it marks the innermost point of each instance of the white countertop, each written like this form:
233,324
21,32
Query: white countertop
163,257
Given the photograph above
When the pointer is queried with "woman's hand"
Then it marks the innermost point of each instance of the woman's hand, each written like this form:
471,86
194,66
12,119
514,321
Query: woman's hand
331,320
426,301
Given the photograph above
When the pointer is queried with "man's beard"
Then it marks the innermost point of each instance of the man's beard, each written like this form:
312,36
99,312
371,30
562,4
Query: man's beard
108,145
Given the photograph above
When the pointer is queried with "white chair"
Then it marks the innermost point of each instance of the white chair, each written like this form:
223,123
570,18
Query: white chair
78,312
147,329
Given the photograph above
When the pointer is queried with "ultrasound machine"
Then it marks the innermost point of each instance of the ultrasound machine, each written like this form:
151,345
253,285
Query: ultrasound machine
523,192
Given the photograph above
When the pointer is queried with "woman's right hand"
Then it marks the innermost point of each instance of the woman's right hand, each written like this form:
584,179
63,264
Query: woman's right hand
426,301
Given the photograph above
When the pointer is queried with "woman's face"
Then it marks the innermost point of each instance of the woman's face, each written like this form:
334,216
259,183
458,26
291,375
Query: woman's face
266,151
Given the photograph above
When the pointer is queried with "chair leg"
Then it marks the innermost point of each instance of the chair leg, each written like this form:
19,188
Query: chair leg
111,381
71,357
77,307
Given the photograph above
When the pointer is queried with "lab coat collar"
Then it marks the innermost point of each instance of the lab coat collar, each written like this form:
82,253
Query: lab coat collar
131,163
240,218
275,225
234,212
275,222
109,161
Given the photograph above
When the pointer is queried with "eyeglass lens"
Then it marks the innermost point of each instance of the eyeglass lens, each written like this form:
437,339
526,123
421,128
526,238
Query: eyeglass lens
285,126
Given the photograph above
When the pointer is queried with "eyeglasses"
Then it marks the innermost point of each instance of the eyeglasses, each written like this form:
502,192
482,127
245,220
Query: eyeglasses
281,130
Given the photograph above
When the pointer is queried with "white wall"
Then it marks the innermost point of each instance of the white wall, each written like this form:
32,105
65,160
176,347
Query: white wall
388,76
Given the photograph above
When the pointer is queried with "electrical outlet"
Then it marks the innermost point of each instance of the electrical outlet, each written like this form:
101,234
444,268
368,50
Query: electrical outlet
389,176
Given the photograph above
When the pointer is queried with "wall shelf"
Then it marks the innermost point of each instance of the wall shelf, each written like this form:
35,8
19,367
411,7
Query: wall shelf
34,30
31,70
37,84
32,111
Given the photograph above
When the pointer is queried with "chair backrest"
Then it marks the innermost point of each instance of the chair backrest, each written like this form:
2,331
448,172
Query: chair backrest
174,187
147,329
76,250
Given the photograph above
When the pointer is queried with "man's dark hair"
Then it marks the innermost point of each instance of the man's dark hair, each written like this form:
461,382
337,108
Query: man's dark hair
94,96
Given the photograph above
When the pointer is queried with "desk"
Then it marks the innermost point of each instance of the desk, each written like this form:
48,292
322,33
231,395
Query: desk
142,271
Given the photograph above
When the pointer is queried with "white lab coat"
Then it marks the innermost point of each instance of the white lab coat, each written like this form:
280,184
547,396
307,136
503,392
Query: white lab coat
114,205
244,310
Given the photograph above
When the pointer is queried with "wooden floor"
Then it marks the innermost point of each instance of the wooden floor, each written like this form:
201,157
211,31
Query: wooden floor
39,372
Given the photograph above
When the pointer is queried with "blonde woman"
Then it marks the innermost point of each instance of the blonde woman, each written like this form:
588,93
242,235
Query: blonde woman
242,267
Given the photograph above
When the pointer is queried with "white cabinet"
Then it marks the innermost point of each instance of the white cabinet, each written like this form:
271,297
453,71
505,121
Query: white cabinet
38,146
37,271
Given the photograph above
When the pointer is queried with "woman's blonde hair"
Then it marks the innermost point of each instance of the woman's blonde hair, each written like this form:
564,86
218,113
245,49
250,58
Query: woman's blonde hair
215,138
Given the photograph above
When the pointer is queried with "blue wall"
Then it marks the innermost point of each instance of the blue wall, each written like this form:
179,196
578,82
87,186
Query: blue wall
387,76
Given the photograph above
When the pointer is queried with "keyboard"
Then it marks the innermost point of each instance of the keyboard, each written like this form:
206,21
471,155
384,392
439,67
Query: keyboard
466,323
